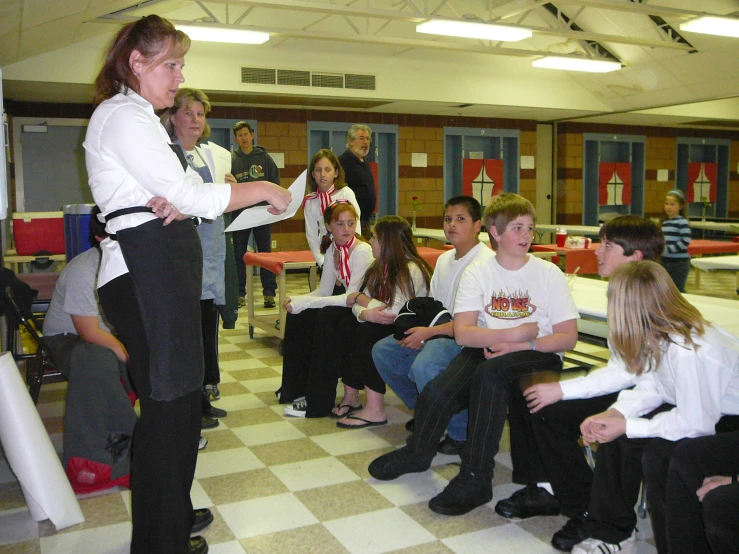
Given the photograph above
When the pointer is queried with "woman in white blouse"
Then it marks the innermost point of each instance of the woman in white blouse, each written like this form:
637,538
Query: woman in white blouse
327,184
315,348
687,378
150,274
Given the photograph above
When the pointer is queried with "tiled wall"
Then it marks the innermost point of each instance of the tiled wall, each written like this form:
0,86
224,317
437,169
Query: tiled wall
661,153
285,130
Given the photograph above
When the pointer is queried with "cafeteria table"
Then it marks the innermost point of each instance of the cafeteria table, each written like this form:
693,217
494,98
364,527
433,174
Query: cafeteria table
701,247
717,263
581,259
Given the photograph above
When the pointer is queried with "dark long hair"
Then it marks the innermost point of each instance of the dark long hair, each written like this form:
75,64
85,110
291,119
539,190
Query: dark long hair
389,273
154,37
339,182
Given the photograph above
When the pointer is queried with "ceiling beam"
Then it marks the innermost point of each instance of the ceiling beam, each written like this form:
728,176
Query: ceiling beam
635,7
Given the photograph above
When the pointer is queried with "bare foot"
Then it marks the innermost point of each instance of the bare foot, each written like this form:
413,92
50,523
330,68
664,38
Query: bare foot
346,405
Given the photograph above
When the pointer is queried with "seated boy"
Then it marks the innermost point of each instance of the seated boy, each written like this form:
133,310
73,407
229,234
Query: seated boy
556,427
514,314
407,365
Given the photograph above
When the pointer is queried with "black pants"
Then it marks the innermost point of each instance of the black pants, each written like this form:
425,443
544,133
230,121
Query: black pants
528,465
164,450
683,524
315,352
210,321
483,386
262,238
678,268
363,372
556,429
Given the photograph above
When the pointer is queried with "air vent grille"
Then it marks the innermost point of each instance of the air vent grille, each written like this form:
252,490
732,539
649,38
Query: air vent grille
327,80
296,78
293,78
258,76
361,82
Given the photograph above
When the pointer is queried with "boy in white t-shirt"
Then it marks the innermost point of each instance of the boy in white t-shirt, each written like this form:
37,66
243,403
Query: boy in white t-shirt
514,315
407,365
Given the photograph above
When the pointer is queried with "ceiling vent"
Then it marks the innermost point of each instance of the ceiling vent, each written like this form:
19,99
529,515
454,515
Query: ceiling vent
296,78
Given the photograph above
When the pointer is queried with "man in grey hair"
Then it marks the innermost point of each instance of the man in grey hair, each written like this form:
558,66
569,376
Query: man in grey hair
358,174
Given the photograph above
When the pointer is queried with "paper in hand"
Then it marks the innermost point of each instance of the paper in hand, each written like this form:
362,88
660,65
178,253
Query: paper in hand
258,215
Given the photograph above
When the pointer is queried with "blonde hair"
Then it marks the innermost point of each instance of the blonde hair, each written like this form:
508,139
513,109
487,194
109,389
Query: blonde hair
644,309
503,209
183,99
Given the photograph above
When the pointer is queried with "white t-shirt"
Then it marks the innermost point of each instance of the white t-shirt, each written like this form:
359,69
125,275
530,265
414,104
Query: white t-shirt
315,228
449,271
536,293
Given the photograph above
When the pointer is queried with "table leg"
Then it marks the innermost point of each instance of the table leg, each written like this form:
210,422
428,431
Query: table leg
250,293
281,306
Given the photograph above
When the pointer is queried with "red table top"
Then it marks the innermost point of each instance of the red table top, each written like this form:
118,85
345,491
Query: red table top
582,258
699,247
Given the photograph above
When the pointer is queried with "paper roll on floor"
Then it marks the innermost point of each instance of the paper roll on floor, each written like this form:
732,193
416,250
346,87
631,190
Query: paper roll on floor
31,454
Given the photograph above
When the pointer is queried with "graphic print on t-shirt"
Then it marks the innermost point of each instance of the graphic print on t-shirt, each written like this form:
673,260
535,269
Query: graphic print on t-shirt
505,305
256,171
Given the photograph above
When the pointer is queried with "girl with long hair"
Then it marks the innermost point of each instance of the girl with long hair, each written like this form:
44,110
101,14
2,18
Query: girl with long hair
686,385
327,184
397,275
315,322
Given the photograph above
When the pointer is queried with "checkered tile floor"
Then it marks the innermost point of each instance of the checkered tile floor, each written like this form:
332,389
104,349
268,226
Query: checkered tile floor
284,485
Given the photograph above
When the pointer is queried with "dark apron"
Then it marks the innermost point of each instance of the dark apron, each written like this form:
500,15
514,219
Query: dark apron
166,265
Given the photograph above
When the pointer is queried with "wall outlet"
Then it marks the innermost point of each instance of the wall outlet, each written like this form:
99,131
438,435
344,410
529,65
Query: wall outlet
274,244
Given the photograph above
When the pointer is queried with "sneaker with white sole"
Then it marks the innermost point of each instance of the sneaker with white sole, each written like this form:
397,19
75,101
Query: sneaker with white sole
596,546
211,392
297,408
202,443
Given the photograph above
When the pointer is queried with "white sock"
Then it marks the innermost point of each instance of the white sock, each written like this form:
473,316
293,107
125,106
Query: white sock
546,486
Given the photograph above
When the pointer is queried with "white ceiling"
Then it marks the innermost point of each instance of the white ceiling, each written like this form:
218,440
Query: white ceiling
49,51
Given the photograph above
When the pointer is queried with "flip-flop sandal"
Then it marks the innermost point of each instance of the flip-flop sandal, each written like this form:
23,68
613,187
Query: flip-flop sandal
367,423
351,410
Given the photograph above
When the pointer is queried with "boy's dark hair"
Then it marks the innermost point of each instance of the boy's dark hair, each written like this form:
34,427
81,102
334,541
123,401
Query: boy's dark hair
634,232
242,125
97,229
503,209
472,205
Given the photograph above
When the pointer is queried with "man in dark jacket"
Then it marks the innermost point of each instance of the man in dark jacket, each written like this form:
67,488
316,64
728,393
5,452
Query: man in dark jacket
252,163
358,175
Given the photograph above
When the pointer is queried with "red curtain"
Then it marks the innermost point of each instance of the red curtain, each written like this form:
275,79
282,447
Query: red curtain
374,170
482,179
697,190
619,194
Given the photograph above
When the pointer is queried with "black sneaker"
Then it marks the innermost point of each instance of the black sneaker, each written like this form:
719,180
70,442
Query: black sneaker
208,422
528,502
463,494
450,446
394,464
572,533
214,412
269,302
410,424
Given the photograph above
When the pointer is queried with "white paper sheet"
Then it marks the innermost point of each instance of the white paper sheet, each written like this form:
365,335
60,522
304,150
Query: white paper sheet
258,215
30,453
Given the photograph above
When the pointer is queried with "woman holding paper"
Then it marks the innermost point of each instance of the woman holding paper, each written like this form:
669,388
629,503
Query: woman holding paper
150,275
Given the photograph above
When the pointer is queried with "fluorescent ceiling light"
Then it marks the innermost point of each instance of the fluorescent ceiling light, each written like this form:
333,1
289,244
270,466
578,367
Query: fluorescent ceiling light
709,25
471,29
222,34
576,64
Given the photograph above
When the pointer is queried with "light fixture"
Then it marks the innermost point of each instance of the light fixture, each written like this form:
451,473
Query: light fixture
712,25
576,64
472,29
223,34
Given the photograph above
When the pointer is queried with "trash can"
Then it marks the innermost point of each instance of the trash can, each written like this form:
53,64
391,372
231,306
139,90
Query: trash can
77,228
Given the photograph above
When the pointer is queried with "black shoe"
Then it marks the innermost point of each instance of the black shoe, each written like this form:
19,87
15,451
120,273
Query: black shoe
201,519
528,502
197,545
463,494
394,464
269,302
410,424
573,532
208,422
214,412
450,446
